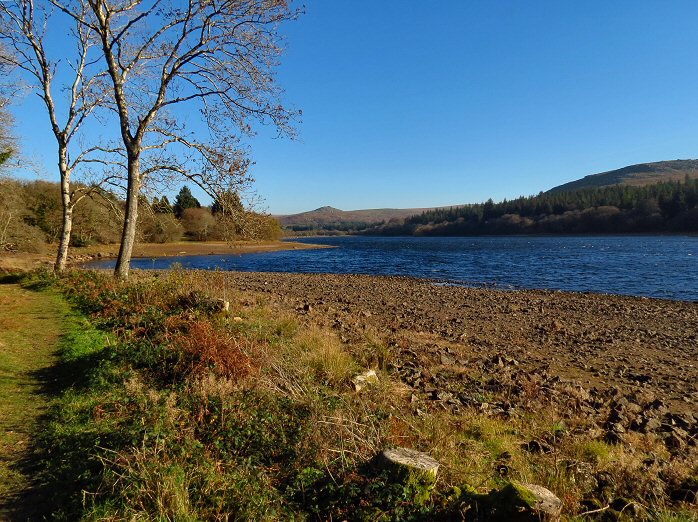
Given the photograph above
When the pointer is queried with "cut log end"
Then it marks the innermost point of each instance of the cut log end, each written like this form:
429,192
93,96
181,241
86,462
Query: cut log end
416,471
411,461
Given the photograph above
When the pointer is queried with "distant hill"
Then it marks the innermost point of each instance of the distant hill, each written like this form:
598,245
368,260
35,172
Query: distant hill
327,216
637,175
333,220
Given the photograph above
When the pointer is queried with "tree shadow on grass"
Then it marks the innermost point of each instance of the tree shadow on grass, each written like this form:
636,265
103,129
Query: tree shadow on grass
60,462
11,278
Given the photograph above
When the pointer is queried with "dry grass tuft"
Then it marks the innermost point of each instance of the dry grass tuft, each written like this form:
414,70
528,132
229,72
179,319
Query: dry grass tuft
323,356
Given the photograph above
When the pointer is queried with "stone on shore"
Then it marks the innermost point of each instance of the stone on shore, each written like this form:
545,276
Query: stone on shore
523,503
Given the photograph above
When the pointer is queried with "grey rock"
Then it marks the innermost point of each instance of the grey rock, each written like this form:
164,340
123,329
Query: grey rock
651,425
523,503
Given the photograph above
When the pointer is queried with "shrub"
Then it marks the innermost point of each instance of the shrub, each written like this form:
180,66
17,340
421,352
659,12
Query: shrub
207,348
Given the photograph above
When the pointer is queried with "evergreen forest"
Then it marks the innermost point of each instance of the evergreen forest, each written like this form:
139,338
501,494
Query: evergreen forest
670,207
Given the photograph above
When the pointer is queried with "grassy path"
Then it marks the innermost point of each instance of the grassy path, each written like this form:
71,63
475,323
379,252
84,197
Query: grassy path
31,324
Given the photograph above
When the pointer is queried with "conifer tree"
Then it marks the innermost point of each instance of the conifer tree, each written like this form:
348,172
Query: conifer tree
185,199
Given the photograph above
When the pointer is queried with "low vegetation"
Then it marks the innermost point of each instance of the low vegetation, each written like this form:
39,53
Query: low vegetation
201,402
337,228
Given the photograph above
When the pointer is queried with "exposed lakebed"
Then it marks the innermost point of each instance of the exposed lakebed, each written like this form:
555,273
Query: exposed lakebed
649,266
593,355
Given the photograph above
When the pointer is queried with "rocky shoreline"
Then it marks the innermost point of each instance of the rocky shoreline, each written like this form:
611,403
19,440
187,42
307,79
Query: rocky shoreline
612,365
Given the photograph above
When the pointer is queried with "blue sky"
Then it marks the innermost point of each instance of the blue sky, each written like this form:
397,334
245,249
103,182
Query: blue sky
419,104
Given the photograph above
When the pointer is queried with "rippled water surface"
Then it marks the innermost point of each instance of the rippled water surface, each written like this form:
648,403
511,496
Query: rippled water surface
647,266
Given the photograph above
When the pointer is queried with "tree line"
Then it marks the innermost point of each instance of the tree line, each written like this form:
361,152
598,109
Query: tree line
660,208
31,219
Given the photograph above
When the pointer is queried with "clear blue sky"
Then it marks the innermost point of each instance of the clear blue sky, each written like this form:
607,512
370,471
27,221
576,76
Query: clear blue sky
417,104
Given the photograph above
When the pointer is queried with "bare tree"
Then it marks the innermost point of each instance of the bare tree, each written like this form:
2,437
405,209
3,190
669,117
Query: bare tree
81,85
170,60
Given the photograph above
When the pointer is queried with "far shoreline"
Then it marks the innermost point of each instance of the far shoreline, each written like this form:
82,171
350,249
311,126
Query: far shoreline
195,248
536,234
24,261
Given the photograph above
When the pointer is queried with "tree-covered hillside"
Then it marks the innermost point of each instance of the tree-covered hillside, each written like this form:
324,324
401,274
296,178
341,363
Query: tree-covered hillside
663,207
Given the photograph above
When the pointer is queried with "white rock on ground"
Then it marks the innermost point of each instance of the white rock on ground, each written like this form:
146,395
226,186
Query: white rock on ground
547,504
361,380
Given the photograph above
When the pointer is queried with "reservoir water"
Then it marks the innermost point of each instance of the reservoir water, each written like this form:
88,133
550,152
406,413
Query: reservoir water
651,266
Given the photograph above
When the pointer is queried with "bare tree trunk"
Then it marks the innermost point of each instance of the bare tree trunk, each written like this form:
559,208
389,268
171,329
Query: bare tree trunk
128,236
62,257
25,24
67,205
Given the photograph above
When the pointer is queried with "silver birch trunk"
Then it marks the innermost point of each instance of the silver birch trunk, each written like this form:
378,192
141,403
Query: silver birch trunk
128,236
62,257
67,204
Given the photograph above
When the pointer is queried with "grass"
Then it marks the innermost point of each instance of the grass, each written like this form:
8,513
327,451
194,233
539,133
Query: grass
322,355
42,344
23,354
169,409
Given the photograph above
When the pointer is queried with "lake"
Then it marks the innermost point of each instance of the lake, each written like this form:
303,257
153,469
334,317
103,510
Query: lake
651,266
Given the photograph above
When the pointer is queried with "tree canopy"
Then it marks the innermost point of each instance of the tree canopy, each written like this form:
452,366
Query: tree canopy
214,59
